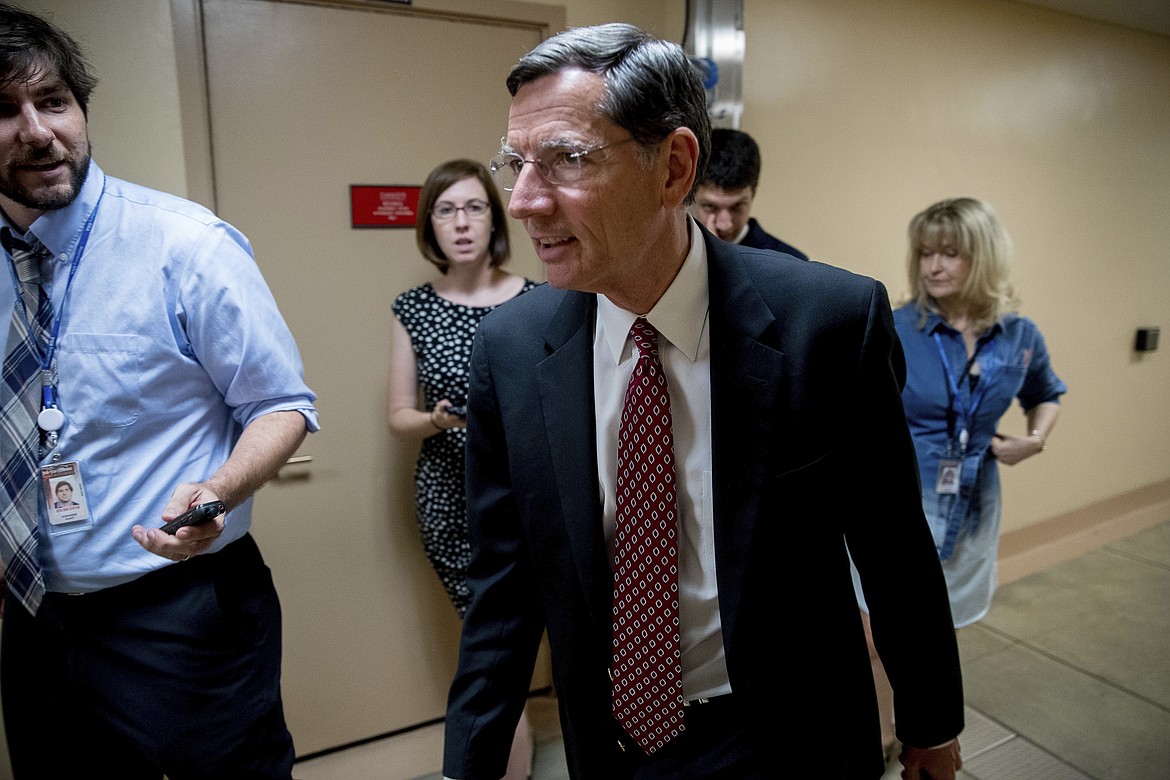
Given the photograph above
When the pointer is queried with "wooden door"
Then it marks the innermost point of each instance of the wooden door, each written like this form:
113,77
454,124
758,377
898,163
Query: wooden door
304,100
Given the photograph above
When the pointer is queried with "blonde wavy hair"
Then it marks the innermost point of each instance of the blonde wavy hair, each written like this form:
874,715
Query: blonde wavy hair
970,226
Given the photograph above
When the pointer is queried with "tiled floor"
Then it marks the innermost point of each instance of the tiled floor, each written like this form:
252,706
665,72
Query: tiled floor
1068,678
1075,661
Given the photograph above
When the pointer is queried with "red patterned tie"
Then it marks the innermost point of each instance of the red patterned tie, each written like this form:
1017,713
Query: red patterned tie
647,666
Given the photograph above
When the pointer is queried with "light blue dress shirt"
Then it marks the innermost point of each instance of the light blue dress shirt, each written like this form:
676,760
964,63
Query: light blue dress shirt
170,344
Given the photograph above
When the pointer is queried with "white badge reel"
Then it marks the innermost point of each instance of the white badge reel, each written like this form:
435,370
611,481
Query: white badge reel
50,419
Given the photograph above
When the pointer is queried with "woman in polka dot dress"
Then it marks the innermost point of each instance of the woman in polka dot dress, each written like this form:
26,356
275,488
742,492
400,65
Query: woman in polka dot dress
464,234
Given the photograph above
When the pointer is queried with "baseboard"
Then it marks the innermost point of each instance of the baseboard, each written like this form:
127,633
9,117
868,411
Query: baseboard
1074,533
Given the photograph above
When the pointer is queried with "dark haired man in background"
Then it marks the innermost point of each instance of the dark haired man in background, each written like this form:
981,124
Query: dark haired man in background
726,190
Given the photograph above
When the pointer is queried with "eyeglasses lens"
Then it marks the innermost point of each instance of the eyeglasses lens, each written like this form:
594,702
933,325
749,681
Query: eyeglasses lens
473,209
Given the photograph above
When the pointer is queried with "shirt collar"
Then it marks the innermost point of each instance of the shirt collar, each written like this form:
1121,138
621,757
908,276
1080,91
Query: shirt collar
935,323
743,232
9,236
680,313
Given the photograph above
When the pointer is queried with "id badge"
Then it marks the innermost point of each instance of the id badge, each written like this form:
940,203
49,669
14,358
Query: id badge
949,472
65,495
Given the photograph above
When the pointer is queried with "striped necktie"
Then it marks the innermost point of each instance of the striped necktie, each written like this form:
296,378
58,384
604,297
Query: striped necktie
20,438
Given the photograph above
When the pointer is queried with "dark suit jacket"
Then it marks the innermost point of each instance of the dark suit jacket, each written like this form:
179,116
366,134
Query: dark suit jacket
810,450
759,238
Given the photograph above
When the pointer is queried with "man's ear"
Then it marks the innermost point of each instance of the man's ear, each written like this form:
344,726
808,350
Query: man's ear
682,150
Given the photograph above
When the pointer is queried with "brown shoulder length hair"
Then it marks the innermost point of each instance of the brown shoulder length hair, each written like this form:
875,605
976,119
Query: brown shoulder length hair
443,176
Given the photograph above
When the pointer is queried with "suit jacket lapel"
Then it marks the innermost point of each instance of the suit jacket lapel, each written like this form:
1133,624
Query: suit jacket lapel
747,388
565,382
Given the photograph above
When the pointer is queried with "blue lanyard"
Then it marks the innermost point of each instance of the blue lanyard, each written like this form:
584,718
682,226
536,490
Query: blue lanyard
49,381
953,393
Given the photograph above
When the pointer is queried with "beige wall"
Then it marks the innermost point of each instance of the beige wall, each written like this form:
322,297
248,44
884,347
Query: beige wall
1061,123
134,112
866,114
664,18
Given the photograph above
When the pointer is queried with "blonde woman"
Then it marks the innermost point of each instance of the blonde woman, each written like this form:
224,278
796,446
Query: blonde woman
968,354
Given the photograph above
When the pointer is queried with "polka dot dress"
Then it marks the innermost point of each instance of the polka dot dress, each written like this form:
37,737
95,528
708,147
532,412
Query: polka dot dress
440,333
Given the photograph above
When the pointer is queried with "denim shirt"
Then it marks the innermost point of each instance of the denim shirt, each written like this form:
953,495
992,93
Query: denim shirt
1013,363
170,344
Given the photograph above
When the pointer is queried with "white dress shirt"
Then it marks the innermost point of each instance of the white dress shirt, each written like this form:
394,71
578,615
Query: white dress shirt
680,317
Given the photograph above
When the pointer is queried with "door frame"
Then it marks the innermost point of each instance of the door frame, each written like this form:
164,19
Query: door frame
191,64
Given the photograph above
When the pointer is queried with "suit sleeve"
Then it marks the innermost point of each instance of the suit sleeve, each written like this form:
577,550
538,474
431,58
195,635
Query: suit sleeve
894,552
502,627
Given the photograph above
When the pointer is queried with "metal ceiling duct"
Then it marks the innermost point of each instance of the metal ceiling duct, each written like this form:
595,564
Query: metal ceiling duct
715,43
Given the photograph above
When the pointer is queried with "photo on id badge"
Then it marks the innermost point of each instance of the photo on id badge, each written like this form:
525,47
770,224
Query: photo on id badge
949,472
65,497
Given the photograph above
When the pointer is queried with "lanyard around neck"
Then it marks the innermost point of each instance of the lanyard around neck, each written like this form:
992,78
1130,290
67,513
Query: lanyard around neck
953,392
47,358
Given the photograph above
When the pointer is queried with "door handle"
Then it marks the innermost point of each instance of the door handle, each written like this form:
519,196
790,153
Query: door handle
299,475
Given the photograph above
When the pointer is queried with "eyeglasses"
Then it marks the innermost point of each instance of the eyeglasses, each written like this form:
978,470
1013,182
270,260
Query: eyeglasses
556,166
472,209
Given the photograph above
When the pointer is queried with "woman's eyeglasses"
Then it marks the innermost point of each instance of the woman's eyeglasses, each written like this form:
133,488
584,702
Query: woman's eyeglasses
472,209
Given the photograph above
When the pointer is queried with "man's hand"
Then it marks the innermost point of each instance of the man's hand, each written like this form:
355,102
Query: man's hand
940,763
188,541
262,449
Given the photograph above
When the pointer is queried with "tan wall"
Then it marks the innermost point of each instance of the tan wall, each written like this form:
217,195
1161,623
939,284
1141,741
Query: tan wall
664,18
1062,124
867,113
134,120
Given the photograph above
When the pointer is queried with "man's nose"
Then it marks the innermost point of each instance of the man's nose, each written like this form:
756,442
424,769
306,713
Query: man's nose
31,127
530,195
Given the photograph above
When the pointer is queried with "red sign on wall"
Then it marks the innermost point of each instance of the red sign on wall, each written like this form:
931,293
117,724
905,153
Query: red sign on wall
383,205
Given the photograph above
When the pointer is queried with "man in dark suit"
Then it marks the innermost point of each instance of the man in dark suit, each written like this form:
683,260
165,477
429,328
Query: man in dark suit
789,444
727,189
